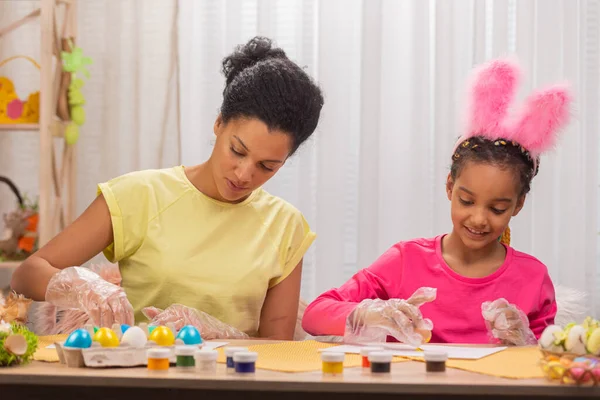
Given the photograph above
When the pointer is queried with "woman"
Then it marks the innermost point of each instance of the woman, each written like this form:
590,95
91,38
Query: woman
203,244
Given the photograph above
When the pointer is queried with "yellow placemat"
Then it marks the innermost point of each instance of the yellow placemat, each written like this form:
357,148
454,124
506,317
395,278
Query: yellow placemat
299,356
44,354
512,363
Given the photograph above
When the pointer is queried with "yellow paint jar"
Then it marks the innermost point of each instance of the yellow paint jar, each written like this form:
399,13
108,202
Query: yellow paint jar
158,359
333,363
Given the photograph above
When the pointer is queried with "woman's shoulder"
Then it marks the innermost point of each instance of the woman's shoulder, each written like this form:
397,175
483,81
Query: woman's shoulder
267,203
148,189
149,181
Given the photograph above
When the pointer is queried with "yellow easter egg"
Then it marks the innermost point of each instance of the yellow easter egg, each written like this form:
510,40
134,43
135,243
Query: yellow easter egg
162,336
106,337
554,370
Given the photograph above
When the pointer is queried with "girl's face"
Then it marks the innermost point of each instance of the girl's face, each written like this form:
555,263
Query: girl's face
483,198
245,156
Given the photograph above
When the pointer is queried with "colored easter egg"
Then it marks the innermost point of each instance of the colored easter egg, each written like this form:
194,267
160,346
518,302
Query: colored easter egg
566,361
579,374
14,109
162,336
596,373
134,337
150,329
71,134
80,339
124,328
190,335
593,342
95,329
554,370
106,337
78,115
583,360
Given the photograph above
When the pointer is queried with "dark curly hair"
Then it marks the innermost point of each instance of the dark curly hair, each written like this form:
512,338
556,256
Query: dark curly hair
502,153
262,82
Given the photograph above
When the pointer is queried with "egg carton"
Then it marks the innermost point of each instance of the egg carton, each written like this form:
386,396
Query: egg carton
97,356
102,357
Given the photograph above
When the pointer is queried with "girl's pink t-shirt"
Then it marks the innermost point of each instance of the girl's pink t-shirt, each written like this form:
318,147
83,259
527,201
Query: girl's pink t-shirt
456,312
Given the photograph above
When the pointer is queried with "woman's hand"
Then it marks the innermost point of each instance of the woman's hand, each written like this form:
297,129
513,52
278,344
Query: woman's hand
180,315
82,289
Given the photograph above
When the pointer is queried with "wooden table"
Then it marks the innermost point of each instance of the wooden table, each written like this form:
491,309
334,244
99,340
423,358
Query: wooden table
407,380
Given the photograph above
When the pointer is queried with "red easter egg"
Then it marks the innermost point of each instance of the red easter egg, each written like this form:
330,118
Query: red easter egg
14,109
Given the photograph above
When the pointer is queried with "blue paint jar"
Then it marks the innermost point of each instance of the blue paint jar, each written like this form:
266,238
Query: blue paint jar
245,362
229,352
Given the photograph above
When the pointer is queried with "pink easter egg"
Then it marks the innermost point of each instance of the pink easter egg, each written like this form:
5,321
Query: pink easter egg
14,110
596,373
580,375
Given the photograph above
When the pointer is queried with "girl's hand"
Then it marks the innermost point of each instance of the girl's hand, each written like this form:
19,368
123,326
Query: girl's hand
375,319
507,323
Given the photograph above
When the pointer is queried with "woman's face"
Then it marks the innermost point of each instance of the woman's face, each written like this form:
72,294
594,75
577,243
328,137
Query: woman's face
246,155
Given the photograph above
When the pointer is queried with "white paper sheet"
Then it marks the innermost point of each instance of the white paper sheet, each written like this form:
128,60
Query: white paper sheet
214,345
403,350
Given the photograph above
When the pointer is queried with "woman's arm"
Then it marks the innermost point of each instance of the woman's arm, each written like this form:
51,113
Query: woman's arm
280,311
87,236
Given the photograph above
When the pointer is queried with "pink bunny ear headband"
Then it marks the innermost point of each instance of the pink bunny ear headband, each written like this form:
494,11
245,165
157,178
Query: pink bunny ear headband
538,121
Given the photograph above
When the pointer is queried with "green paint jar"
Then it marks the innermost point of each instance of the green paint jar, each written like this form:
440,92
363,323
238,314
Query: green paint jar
185,357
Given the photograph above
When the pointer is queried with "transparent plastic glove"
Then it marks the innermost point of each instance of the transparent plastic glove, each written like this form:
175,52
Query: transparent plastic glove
79,288
180,315
374,320
507,323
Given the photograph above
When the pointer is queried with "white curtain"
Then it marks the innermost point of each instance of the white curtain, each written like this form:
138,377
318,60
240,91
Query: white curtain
393,73
131,96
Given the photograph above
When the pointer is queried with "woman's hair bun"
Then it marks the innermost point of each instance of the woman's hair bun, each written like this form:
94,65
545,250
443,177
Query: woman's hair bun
257,49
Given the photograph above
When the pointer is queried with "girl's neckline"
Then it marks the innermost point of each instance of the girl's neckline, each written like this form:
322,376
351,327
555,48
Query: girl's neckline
181,170
507,261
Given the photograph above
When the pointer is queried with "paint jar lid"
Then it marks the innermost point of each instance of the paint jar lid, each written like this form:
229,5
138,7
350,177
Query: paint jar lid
157,352
245,356
364,351
332,356
435,356
206,355
230,351
380,356
185,350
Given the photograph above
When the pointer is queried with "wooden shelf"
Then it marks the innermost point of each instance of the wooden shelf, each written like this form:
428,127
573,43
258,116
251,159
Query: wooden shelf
9,264
57,175
19,127
57,127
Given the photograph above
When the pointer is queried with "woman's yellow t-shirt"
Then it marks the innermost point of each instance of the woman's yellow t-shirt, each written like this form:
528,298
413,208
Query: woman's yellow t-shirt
176,245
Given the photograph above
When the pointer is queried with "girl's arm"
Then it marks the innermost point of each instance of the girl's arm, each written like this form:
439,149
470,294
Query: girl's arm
280,310
87,236
327,314
547,308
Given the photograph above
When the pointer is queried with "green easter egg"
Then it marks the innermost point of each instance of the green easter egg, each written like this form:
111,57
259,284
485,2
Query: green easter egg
71,134
78,115
76,84
593,343
76,98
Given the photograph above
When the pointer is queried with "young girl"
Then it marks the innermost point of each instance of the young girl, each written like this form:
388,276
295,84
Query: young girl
203,244
467,286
